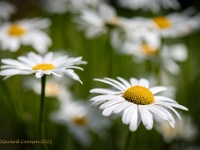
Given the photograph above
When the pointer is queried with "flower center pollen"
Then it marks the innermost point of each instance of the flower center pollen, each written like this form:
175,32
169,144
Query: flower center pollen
81,121
16,30
139,95
43,67
162,22
114,21
148,50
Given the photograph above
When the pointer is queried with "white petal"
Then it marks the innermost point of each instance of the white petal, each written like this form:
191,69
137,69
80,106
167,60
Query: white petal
109,110
111,103
157,89
129,114
134,81
106,97
162,98
135,120
117,83
144,82
104,91
146,117
39,74
124,82
110,83
121,107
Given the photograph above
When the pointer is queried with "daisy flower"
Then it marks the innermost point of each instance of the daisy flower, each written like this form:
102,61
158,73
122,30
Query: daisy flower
96,21
185,130
169,59
171,26
55,87
25,32
40,65
154,6
136,101
81,119
6,9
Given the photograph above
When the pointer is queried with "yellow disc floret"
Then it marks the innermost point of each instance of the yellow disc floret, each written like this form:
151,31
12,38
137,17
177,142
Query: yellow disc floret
139,95
81,121
147,50
43,67
162,22
16,30
114,21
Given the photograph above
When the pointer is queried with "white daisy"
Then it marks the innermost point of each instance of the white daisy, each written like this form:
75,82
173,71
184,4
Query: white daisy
55,87
6,9
171,26
96,21
25,32
169,59
136,101
40,65
185,130
154,6
80,119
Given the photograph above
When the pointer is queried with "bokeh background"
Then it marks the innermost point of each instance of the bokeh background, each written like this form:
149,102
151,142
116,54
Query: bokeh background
19,106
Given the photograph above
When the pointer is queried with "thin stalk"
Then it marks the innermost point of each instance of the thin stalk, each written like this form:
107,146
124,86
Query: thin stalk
41,117
128,139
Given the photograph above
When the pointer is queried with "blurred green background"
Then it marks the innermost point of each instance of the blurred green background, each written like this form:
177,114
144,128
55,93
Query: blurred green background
19,108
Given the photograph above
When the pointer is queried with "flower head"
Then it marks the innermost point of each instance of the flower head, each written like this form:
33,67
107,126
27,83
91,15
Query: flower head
80,120
25,32
136,101
40,65
97,21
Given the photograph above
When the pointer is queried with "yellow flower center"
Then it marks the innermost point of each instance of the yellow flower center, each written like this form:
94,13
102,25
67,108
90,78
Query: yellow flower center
139,95
148,50
114,21
43,67
162,22
81,121
16,30
52,89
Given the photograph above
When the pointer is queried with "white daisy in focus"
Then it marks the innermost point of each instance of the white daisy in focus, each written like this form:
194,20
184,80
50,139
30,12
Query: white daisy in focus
96,21
25,32
136,101
74,6
169,59
176,24
184,130
6,9
149,5
81,119
40,65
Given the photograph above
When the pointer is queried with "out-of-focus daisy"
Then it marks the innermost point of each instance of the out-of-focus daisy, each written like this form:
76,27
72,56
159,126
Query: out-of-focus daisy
55,87
172,24
136,101
184,130
40,65
169,59
25,32
96,21
63,6
80,119
6,9
154,6
141,43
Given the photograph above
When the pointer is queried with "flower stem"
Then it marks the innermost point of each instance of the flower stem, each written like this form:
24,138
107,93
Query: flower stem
41,117
128,139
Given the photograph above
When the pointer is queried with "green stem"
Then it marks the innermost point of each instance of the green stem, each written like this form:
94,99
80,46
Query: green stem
128,139
41,117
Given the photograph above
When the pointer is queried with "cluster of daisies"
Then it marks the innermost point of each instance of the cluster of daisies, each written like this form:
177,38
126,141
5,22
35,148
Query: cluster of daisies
143,38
